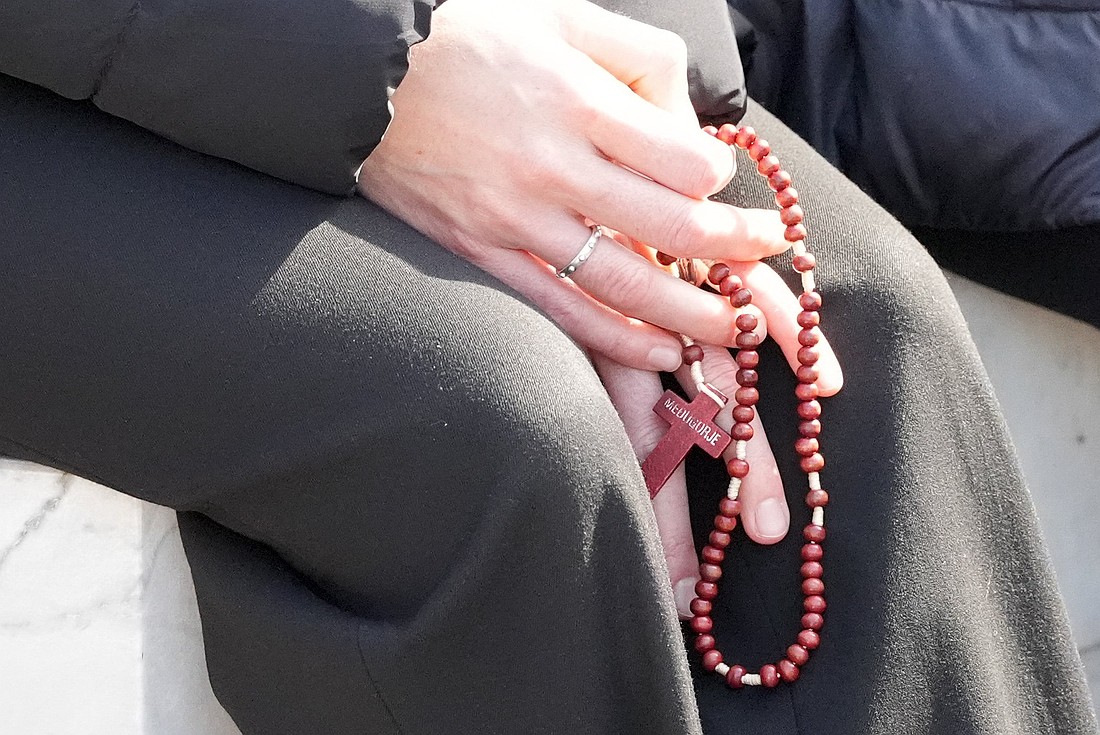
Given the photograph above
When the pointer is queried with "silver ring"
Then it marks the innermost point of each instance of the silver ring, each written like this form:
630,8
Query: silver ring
584,254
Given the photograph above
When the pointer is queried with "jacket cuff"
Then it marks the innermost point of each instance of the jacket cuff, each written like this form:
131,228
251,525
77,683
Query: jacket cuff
298,90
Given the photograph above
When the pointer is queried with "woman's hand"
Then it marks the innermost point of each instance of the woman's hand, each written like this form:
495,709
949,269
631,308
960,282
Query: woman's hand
519,122
764,514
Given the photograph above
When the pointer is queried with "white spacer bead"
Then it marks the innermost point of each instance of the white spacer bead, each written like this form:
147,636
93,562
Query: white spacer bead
734,489
751,680
815,480
697,373
704,388
819,516
721,669
798,248
808,281
741,449
686,340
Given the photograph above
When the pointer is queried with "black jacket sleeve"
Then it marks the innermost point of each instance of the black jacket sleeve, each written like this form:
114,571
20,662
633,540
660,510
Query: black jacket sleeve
294,88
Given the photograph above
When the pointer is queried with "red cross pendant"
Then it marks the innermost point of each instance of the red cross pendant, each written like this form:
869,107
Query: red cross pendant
692,425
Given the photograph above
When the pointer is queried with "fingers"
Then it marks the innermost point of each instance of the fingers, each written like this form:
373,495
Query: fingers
634,394
657,143
668,220
592,324
764,513
781,309
651,61
632,285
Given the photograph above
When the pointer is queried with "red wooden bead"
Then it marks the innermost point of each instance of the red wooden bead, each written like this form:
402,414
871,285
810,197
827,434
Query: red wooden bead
747,396
809,640
808,355
727,133
734,677
747,377
807,374
704,642
813,532
805,446
812,552
808,337
717,273
742,432
806,391
729,285
787,197
713,555
701,607
805,262
707,591
713,572
719,539
809,569
811,586
810,300
746,322
767,166
779,181
817,498
791,215
745,137
813,463
788,671
744,414
692,354
702,624
794,233
725,524
809,410
810,428
737,467
798,654
813,603
665,258
813,621
807,319
759,148
741,297
769,676
729,507
711,659
748,358
747,340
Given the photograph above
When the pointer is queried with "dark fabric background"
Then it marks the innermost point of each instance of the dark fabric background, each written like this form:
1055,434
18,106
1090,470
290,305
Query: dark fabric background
409,507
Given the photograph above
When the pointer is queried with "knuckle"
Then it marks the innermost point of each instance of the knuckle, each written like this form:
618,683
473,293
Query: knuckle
670,48
682,229
627,279
704,175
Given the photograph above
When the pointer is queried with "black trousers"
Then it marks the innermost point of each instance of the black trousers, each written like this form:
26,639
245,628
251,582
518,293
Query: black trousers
409,506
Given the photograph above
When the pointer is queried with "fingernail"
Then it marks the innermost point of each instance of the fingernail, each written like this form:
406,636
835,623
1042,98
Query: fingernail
683,593
771,518
665,359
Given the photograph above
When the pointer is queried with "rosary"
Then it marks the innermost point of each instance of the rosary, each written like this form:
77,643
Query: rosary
692,425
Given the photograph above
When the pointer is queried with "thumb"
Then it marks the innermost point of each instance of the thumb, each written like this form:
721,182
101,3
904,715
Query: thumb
634,393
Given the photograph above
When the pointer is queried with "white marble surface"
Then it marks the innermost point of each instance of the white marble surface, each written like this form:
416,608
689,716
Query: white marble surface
98,628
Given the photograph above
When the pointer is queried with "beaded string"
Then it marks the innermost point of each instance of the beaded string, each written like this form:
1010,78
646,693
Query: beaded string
787,668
